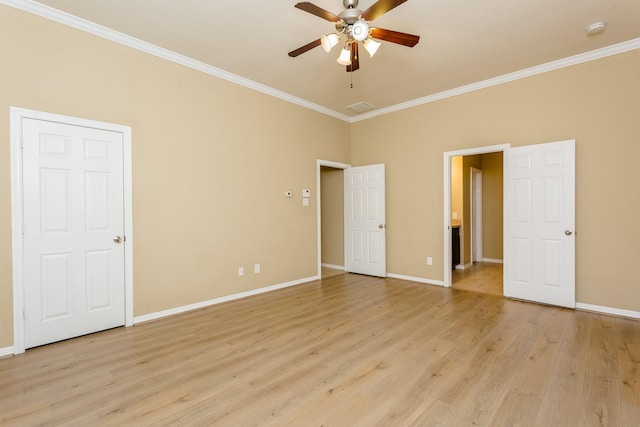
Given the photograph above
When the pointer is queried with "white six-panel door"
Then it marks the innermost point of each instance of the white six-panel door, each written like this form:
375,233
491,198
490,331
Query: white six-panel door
73,214
365,223
539,242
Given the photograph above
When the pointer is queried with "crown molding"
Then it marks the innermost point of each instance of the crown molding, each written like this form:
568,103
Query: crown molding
72,21
517,75
64,18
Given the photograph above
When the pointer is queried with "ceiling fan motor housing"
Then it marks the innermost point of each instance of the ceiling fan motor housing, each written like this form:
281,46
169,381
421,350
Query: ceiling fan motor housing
351,14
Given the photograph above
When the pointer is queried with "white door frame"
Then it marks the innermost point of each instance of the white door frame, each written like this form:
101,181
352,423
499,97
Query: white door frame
17,198
475,231
447,156
334,165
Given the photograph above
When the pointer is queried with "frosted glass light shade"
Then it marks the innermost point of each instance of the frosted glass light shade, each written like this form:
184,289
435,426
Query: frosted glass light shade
371,46
329,41
360,31
345,56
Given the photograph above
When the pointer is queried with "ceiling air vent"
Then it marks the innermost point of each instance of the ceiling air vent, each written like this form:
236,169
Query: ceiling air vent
361,107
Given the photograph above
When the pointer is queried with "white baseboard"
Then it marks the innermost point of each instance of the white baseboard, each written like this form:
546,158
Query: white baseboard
335,267
416,279
608,310
190,307
494,260
464,266
7,351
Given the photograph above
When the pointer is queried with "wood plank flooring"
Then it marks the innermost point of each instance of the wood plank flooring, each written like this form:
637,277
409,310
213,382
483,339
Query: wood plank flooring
330,272
348,350
483,277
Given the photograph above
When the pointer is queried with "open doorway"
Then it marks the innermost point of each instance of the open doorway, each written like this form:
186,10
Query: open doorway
331,253
473,218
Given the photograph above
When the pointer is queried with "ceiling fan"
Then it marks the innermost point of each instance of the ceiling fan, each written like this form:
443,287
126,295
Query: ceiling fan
354,25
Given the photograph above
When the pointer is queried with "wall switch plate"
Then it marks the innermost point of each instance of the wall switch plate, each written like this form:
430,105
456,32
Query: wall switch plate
454,215
305,202
256,268
429,261
240,271
306,193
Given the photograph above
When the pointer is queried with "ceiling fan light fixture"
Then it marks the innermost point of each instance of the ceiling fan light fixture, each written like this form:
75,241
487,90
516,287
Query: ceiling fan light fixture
371,46
345,56
354,25
329,41
360,30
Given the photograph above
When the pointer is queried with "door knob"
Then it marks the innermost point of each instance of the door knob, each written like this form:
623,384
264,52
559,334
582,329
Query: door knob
567,232
381,226
117,239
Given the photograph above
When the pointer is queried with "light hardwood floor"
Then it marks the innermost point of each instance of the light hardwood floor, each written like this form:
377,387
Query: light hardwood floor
484,277
330,272
349,350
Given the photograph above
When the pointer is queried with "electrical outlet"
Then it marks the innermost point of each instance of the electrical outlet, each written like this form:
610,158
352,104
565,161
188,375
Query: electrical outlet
240,271
429,261
256,268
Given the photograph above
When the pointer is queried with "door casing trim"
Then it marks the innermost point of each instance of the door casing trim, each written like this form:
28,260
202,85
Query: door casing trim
475,203
17,203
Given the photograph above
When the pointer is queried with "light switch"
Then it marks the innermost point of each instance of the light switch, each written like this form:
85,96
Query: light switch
306,193
305,201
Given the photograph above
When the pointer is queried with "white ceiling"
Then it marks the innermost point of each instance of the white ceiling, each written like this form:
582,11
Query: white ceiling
462,41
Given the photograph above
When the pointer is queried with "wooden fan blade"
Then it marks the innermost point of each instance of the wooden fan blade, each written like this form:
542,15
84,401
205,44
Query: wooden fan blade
379,8
318,11
303,49
355,58
404,39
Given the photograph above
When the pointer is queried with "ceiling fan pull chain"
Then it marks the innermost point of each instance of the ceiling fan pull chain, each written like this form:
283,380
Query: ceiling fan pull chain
351,74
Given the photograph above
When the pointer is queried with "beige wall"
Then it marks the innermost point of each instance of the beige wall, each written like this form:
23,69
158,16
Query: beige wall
211,163
492,206
596,103
332,213
456,189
